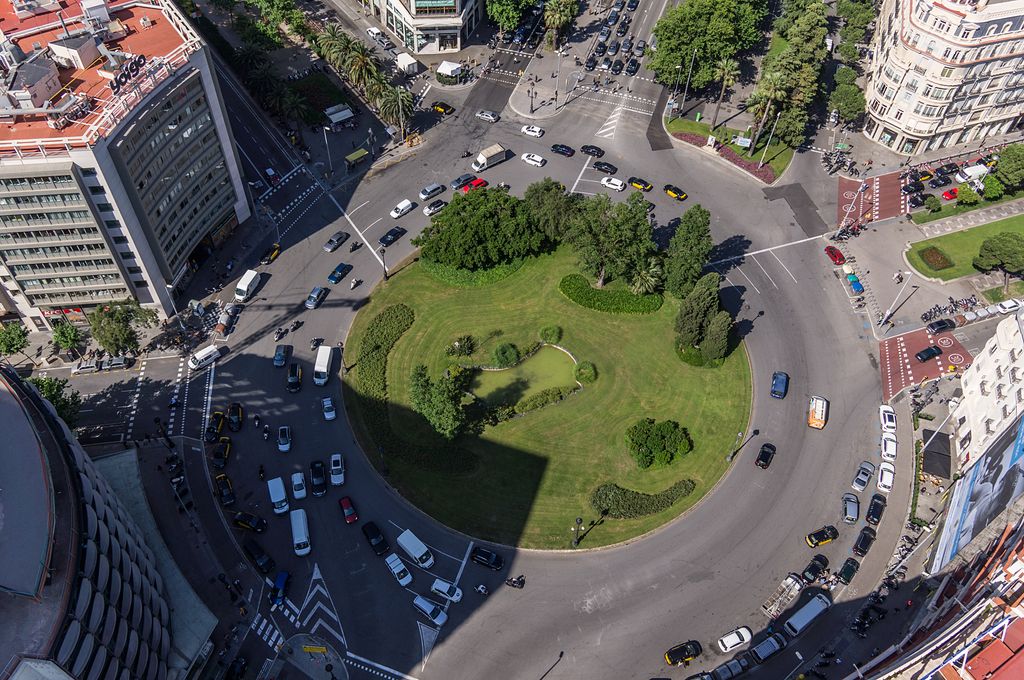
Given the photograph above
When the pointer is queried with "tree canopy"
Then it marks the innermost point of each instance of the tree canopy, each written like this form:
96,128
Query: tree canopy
506,13
688,251
13,338
439,401
612,240
1005,252
1010,170
115,326
549,207
848,100
67,402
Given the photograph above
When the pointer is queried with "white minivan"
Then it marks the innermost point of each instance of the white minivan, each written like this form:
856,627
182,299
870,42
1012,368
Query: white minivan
278,497
416,549
322,367
804,616
204,357
300,533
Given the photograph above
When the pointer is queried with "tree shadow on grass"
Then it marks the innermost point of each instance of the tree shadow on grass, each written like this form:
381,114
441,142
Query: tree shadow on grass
506,395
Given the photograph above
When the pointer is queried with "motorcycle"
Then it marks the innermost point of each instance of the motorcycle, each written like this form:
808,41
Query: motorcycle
294,326
517,582
467,154
482,589
314,343
354,283
262,474
356,245
266,432
278,334
256,420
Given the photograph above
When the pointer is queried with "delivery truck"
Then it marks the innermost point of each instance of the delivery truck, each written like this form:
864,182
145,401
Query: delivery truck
489,157
247,285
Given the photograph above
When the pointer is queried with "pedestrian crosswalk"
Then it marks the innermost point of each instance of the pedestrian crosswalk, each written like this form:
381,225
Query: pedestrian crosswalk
316,615
267,631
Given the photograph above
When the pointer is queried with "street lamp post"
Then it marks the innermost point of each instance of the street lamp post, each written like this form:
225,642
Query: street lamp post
892,308
170,293
382,263
576,539
769,143
330,161
531,93
689,73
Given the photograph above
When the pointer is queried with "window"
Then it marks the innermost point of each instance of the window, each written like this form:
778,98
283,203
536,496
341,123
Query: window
898,115
134,270
112,224
127,255
991,31
120,240
946,73
104,207
88,172
140,284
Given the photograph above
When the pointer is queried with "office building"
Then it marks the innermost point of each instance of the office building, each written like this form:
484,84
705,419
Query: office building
428,26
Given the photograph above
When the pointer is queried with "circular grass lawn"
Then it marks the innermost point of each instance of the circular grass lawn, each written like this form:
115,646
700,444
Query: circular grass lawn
536,472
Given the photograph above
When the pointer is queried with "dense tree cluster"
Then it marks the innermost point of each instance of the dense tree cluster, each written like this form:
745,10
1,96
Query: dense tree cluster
654,443
1003,252
439,401
115,326
700,323
67,402
688,251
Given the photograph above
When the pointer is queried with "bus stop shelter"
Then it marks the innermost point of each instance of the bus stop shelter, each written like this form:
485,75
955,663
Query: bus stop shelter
356,157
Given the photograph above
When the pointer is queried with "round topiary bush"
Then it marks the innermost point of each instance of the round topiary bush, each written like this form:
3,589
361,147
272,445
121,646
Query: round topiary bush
551,334
506,355
586,372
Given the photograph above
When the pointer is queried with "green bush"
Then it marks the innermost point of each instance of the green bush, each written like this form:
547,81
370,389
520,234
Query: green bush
586,372
549,396
578,289
615,501
935,258
463,346
506,355
370,369
464,278
551,334
932,203
650,442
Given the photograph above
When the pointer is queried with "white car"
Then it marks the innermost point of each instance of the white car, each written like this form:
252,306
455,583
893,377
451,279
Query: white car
448,591
1008,306
434,207
400,209
886,477
887,418
284,438
888,446
298,485
734,639
337,469
430,610
533,159
532,131
327,403
613,183
397,568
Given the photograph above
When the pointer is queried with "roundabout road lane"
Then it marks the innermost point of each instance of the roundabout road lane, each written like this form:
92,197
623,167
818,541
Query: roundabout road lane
613,611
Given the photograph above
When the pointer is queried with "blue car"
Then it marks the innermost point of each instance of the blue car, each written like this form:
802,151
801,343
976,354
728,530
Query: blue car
339,273
280,589
780,384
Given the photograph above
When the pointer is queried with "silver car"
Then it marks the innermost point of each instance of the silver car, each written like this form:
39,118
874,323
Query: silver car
336,239
864,473
851,508
430,191
489,116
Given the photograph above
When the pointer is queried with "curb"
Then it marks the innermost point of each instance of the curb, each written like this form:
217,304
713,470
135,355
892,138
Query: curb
676,142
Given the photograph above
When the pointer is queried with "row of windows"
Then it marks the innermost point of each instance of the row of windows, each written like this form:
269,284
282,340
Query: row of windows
77,296
39,200
57,217
169,150
51,251
140,161
140,135
62,265
217,207
87,280
47,234
36,183
966,32
217,170
212,151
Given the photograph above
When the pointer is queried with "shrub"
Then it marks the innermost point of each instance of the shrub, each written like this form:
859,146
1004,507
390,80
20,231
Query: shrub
551,334
766,174
506,355
932,203
463,346
615,501
651,442
935,258
549,396
464,278
578,289
586,372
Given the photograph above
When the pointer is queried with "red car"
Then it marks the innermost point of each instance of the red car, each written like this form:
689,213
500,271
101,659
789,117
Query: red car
348,509
949,194
478,183
835,255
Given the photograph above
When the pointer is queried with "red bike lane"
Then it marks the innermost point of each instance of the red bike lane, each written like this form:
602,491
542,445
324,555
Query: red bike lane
900,369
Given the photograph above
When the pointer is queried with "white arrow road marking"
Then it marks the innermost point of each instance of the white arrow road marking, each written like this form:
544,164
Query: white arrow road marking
317,587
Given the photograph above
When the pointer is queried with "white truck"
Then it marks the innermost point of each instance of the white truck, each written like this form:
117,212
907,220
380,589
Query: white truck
783,595
322,367
247,285
489,157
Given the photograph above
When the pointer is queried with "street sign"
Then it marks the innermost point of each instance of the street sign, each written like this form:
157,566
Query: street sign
314,650
743,142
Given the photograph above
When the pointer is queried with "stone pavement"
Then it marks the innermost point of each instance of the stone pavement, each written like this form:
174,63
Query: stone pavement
972,218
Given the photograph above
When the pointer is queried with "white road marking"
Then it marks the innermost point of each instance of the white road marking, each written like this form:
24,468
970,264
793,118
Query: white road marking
355,657
765,250
582,170
352,210
765,273
784,267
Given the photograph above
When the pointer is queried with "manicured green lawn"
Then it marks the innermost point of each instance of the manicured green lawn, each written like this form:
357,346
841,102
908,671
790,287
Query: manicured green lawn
778,157
961,247
952,208
548,367
996,294
536,472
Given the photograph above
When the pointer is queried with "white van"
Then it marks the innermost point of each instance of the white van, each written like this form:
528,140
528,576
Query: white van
806,614
415,549
247,285
971,172
300,533
768,648
204,357
322,367
278,497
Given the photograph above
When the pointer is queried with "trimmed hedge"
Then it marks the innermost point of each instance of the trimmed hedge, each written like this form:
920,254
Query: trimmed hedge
465,278
368,379
586,372
578,289
615,501
551,334
506,355
551,395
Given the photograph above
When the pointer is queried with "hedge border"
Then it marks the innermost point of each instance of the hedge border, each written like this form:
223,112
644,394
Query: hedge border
578,289
621,503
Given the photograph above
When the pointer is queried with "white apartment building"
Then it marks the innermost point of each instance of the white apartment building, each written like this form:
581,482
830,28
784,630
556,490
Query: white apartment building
118,173
428,26
993,393
945,72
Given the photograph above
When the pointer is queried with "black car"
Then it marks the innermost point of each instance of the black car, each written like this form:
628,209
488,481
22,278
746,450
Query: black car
563,150
591,150
940,326
764,456
606,168
865,539
683,653
225,490
236,671
590,64
264,562
318,477
281,355
487,558
213,427
623,28
876,509
617,67
613,18
376,539
294,381
606,64
632,67
393,235
249,522
632,5
913,188
918,200
613,49
600,49
848,570
220,453
947,169
940,181
927,353
813,571
236,416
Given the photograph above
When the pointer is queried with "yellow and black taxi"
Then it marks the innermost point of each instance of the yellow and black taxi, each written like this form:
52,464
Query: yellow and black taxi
225,491
236,416
675,192
213,427
826,534
683,653
249,522
443,108
271,253
640,183
220,452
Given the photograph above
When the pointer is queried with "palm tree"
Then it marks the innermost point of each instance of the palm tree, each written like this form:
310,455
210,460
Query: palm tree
647,279
250,58
293,106
770,90
376,88
335,44
396,106
558,14
726,71
361,65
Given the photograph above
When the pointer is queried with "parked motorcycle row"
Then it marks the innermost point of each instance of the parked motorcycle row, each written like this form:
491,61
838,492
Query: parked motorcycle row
834,161
954,307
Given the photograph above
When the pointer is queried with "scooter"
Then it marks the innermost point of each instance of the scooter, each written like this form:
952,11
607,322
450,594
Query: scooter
517,582
256,420
278,334
314,343
355,282
482,589
467,154
294,326
266,432
356,245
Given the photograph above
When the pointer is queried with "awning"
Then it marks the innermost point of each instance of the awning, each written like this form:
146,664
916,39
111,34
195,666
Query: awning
407,63
356,156
449,68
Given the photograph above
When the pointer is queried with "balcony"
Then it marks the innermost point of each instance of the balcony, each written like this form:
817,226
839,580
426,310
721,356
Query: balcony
109,295
40,207
54,239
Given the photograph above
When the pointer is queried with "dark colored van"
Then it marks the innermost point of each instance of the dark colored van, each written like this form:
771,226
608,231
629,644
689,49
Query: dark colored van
263,561
780,384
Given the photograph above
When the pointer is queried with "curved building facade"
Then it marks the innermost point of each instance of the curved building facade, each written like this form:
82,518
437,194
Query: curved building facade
945,72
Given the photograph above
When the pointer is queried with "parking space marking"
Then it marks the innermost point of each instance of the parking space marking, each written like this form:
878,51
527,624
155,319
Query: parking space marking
784,266
744,276
764,250
765,273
